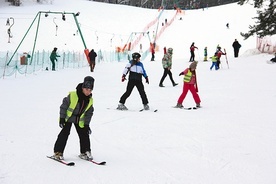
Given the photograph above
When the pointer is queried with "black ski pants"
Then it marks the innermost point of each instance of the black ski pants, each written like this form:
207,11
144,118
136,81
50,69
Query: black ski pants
192,58
64,134
166,72
140,87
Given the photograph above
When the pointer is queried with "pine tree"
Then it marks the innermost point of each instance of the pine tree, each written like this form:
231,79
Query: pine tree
266,20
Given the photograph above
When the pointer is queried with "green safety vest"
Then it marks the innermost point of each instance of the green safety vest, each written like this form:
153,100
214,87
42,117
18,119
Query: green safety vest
214,58
188,76
73,103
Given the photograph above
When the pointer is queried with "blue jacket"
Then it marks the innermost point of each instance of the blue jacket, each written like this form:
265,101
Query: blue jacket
136,71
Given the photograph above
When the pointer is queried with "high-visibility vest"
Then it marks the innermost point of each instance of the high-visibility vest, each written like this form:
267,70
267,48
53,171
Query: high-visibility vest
214,58
73,103
188,76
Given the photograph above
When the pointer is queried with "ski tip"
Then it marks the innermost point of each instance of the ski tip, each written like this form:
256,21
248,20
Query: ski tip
102,163
155,110
70,164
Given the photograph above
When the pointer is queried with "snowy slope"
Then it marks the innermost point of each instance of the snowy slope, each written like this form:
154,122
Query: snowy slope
230,140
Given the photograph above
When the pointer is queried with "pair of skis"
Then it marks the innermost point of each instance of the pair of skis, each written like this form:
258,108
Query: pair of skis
187,108
73,163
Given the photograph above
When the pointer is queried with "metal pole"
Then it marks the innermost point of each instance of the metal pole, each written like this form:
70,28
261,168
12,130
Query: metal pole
78,26
35,37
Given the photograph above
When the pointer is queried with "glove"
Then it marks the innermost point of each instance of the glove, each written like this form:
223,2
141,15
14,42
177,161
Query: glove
123,78
88,130
147,80
181,74
61,122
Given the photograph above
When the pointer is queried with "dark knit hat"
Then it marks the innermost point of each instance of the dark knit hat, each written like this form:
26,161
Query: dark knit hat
88,82
193,65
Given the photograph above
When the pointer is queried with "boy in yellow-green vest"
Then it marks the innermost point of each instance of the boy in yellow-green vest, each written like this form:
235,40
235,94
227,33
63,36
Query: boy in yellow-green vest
214,62
76,108
190,84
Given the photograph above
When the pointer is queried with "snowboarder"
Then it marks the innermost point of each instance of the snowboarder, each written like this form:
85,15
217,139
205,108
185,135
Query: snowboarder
167,65
53,58
136,70
236,45
192,50
190,83
77,108
92,57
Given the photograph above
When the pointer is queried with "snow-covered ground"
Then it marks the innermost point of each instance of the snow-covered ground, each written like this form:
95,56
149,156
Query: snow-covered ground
230,140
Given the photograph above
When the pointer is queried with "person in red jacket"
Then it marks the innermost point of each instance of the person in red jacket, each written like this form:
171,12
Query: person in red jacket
190,84
192,50
218,54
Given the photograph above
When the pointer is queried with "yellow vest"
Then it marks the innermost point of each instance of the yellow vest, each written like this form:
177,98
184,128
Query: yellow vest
73,103
214,58
188,76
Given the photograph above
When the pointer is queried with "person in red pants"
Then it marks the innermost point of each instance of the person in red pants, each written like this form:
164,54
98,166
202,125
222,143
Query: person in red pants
190,84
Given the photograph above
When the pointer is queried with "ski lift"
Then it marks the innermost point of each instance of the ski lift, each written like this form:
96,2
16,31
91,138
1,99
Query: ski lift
8,22
111,40
9,29
55,24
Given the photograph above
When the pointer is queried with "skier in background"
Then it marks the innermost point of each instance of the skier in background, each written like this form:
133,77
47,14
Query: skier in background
236,45
205,54
192,50
167,65
218,54
152,50
214,62
92,57
53,58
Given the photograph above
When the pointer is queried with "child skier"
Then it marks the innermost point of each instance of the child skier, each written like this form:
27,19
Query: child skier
214,62
190,83
218,54
205,54
136,70
76,108
167,65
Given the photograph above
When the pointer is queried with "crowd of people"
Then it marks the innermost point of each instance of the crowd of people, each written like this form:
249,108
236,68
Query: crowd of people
77,107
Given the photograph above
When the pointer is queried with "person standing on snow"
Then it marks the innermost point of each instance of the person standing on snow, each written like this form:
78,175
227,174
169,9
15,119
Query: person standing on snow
77,108
236,45
218,54
53,58
92,57
205,54
167,65
136,70
192,50
214,62
190,84
152,50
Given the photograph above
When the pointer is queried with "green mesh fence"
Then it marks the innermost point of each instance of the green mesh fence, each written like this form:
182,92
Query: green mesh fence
23,64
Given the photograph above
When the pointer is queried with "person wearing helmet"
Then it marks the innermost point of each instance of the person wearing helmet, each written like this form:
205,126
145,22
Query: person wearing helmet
167,65
136,70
